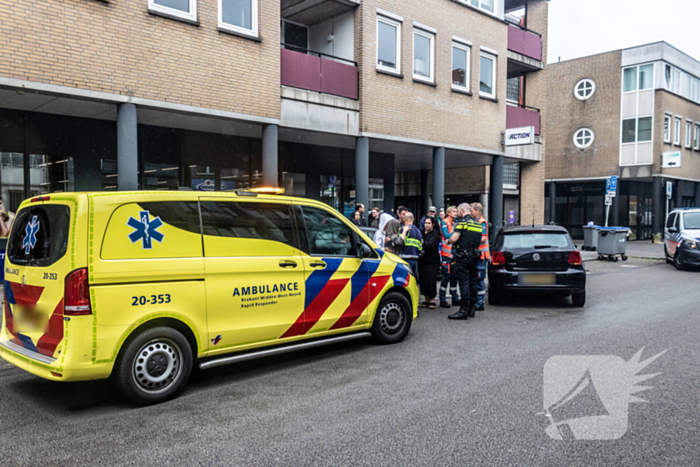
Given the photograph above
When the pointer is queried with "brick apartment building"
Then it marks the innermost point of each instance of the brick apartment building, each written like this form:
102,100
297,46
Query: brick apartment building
634,113
337,100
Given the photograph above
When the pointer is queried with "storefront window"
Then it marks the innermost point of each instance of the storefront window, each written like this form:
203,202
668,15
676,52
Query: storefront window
294,184
161,176
330,190
51,174
108,174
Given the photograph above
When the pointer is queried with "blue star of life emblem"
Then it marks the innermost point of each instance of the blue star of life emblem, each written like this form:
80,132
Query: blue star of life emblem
29,240
145,230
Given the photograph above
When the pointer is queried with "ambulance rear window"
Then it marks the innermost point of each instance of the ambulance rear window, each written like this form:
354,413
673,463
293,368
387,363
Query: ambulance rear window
39,235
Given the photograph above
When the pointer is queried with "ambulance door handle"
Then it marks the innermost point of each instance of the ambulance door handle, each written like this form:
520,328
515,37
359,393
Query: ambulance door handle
318,265
288,264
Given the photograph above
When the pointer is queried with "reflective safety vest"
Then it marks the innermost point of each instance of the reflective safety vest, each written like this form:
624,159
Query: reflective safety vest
469,234
414,242
446,248
484,247
412,246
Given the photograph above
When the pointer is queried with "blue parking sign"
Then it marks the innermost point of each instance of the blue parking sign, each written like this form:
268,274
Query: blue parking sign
611,185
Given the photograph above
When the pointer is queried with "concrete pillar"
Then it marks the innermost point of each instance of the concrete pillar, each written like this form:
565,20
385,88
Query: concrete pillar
270,176
552,202
389,184
362,171
496,190
659,207
425,194
127,148
439,178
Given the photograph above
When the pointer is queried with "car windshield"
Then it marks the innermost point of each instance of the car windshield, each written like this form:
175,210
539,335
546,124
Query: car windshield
535,240
691,220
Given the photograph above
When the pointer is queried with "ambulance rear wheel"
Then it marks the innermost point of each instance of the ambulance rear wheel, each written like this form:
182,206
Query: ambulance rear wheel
392,320
154,366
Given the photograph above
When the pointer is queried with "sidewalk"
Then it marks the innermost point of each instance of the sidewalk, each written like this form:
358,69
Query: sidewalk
636,249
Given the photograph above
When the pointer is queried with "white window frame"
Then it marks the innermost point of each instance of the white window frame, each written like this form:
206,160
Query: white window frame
478,5
667,134
696,136
397,25
233,28
677,131
576,135
430,36
688,133
493,74
636,82
191,16
466,48
580,82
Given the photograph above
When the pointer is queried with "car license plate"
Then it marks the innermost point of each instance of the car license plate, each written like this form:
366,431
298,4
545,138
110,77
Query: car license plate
537,279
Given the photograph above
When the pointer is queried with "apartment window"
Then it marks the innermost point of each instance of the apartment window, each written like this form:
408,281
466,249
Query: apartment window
677,131
688,134
185,9
239,16
584,89
629,130
646,76
676,83
695,92
696,137
460,66
388,44
629,79
644,125
513,90
583,138
667,129
487,75
483,4
423,53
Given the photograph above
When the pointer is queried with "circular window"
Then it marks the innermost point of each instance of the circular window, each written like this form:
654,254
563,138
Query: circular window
583,138
584,89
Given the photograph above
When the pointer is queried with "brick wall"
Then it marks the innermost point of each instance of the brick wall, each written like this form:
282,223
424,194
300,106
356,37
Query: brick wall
564,114
402,107
676,105
119,47
532,175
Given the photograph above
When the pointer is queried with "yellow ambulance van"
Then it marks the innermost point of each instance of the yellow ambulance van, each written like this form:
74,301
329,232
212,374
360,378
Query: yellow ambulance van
141,286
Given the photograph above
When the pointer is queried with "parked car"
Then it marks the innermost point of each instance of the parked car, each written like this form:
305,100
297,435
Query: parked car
541,259
682,237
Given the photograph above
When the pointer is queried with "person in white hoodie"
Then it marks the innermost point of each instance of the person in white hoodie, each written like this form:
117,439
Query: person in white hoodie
380,235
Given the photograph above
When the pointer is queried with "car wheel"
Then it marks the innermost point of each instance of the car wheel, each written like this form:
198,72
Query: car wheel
578,299
494,299
677,262
392,320
668,260
154,366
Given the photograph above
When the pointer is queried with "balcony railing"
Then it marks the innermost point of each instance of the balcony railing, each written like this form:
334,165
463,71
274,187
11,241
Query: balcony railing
306,69
525,42
520,116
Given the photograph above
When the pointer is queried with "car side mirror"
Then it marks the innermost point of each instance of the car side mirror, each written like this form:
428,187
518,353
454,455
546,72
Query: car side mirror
672,230
366,251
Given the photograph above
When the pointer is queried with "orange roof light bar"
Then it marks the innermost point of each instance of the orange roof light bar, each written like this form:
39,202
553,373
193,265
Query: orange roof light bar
268,190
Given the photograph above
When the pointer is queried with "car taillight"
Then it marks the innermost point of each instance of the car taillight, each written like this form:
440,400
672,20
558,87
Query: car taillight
575,258
76,299
498,259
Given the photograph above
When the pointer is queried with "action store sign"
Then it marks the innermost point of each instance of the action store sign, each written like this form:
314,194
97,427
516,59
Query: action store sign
520,136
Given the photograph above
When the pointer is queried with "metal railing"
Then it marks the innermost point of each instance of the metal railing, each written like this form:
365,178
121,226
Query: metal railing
313,52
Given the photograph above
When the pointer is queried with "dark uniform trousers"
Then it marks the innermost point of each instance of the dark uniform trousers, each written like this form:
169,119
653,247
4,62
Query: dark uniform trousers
468,277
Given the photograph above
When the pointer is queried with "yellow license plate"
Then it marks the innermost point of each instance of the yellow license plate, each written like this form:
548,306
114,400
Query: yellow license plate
537,279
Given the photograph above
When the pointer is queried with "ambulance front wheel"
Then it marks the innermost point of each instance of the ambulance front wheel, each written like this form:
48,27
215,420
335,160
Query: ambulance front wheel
392,320
154,366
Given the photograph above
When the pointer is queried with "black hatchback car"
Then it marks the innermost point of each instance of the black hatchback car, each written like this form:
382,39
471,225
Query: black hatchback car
540,258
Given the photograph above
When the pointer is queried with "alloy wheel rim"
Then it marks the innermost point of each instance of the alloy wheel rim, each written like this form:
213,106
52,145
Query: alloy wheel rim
157,365
391,318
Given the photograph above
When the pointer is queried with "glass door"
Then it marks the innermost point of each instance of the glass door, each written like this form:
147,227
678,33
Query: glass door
633,210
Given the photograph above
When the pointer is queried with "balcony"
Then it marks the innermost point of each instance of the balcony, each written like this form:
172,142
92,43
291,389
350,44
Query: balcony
315,71
520,116
524,51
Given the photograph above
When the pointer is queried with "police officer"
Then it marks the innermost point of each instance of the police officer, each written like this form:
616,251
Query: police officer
466,238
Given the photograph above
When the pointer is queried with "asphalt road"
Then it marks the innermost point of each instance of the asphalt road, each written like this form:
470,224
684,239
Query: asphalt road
453,393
